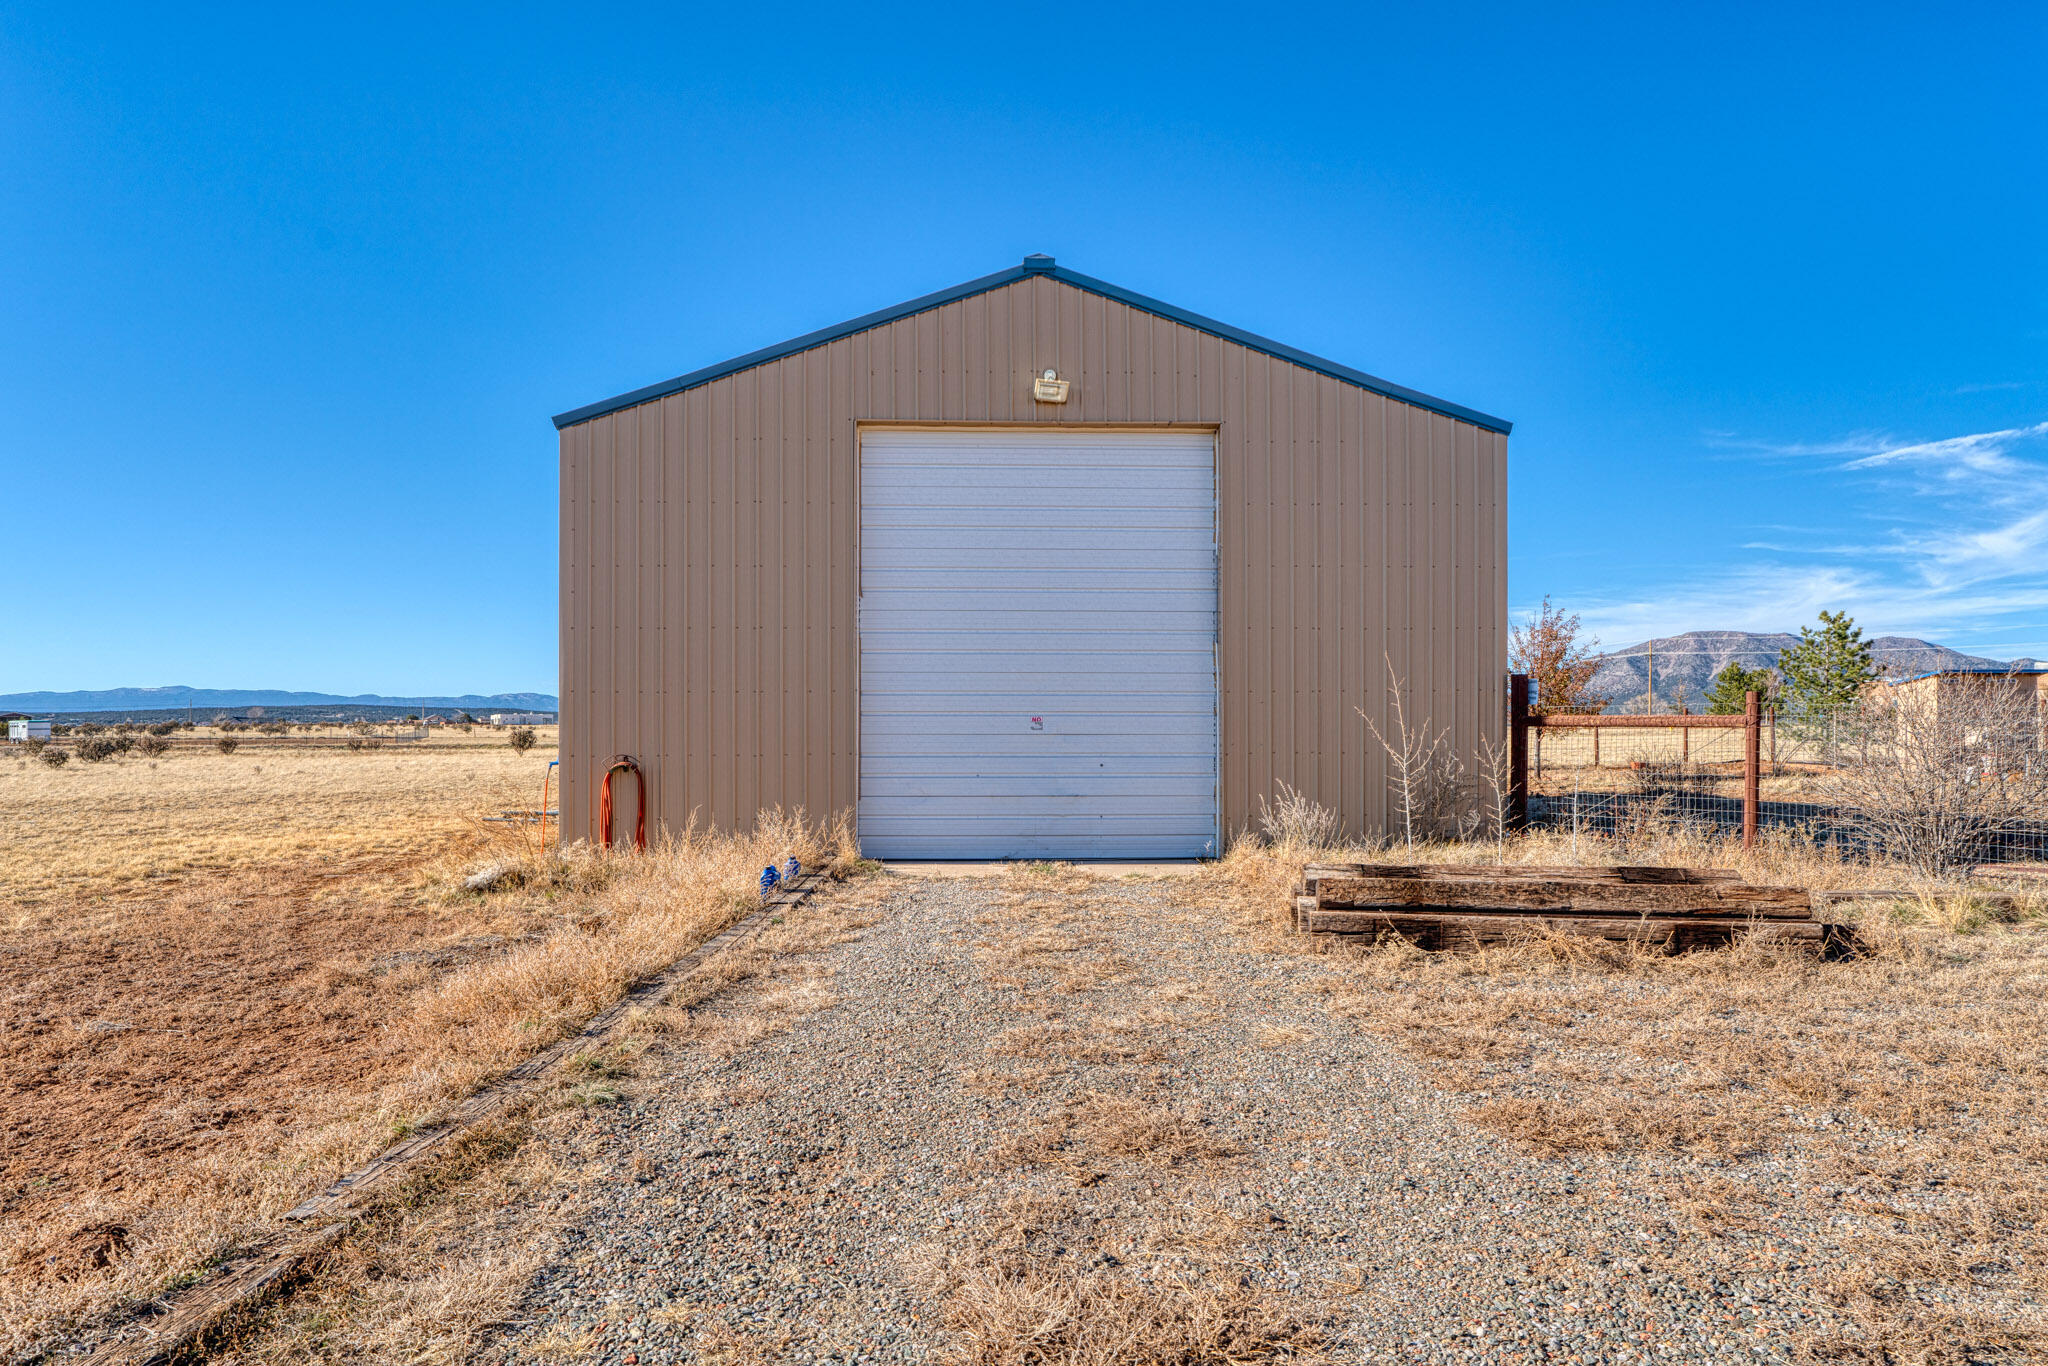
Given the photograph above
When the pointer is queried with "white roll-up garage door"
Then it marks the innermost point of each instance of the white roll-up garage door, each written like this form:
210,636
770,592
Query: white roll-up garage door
1038,631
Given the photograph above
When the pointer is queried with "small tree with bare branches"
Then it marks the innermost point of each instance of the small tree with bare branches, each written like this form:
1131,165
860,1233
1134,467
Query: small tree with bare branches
1425,775
1496,787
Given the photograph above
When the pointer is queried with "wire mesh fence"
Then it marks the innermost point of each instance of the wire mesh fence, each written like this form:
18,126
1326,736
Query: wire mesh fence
1863,783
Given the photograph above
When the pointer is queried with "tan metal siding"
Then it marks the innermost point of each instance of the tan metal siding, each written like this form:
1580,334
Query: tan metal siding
709,554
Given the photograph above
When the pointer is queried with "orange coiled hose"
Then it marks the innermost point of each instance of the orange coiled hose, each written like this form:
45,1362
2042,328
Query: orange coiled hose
630,765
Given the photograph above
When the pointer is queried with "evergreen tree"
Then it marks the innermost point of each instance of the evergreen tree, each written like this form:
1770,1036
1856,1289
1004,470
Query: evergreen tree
1727,694
1827,670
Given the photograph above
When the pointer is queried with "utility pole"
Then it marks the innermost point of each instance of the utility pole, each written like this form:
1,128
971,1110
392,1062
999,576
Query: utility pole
1650,678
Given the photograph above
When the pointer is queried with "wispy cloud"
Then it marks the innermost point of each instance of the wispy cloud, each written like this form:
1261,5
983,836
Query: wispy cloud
1945,538
1980,452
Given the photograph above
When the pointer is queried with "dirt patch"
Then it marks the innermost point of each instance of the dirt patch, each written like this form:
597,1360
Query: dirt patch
148,1040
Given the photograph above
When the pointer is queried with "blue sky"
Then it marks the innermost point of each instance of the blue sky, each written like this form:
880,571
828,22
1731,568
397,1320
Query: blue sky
286,299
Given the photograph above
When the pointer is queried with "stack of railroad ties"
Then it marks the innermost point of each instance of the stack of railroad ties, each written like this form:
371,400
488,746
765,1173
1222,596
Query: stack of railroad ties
1444,906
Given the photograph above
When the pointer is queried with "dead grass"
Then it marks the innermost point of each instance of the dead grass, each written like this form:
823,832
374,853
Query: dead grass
1047,1283
426,1277
440,1265
191,1051
91,829
1912,1080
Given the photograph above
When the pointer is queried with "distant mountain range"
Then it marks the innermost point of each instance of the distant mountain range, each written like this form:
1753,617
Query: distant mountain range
1686,664
210,700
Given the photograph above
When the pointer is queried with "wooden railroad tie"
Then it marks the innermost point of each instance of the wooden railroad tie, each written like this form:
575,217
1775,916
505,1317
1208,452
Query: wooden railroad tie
1443,906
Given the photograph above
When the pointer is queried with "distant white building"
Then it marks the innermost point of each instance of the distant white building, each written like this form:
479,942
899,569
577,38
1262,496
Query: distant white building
522,718
23,728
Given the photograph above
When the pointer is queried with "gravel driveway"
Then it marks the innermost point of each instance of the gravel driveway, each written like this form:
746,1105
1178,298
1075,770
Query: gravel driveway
1019,1111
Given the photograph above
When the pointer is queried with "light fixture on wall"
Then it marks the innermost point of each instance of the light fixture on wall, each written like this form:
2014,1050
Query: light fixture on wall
1049,388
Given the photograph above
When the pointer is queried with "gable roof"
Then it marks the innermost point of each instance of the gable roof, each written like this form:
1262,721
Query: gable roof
1034,265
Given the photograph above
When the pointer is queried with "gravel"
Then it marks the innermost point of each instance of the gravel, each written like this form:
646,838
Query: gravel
776,1196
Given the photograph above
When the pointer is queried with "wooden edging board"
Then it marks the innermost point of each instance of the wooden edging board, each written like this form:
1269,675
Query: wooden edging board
175,1324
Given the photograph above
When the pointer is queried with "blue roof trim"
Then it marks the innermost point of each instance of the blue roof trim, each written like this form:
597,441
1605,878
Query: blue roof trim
1037,265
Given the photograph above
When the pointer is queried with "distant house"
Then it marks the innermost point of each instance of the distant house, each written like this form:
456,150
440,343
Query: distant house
1942,689
522,718
24,728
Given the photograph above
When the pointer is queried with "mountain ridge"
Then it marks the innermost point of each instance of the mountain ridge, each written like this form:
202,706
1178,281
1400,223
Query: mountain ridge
1686,664
179,697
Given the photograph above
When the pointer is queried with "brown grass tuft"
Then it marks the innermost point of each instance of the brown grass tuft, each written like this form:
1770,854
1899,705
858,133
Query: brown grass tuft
1042,1284
1103,1128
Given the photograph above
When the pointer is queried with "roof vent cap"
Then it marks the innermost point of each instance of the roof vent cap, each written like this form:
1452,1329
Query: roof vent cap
1038,260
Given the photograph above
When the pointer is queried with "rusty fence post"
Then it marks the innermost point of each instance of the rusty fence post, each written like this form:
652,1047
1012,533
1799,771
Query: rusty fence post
1751,736
1518,751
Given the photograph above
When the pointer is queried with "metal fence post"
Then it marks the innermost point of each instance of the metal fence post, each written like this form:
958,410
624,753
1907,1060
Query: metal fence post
1518,751
1751,762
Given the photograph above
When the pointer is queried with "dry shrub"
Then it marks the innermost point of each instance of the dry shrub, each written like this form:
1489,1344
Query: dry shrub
1296,822
1933,778
656,905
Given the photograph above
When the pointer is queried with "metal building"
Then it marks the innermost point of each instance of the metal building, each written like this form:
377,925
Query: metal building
1034,566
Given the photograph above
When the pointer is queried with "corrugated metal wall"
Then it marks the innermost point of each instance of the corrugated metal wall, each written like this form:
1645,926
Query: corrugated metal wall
709,554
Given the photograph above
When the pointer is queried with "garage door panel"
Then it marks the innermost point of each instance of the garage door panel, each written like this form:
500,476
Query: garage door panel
1016,846
987,558
882,706
1109,749
957,451
1164,786
1100,667
912,826
998,725
1027,487
911,545
941,508
1035,764
1198,578
1075,805
1037,628
1028,629
1110,603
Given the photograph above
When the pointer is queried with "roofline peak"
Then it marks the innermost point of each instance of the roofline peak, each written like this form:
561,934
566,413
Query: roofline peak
1038,264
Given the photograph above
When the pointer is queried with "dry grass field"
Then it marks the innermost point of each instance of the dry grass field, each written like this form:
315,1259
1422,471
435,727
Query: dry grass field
97,828
1877,1125
229,977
